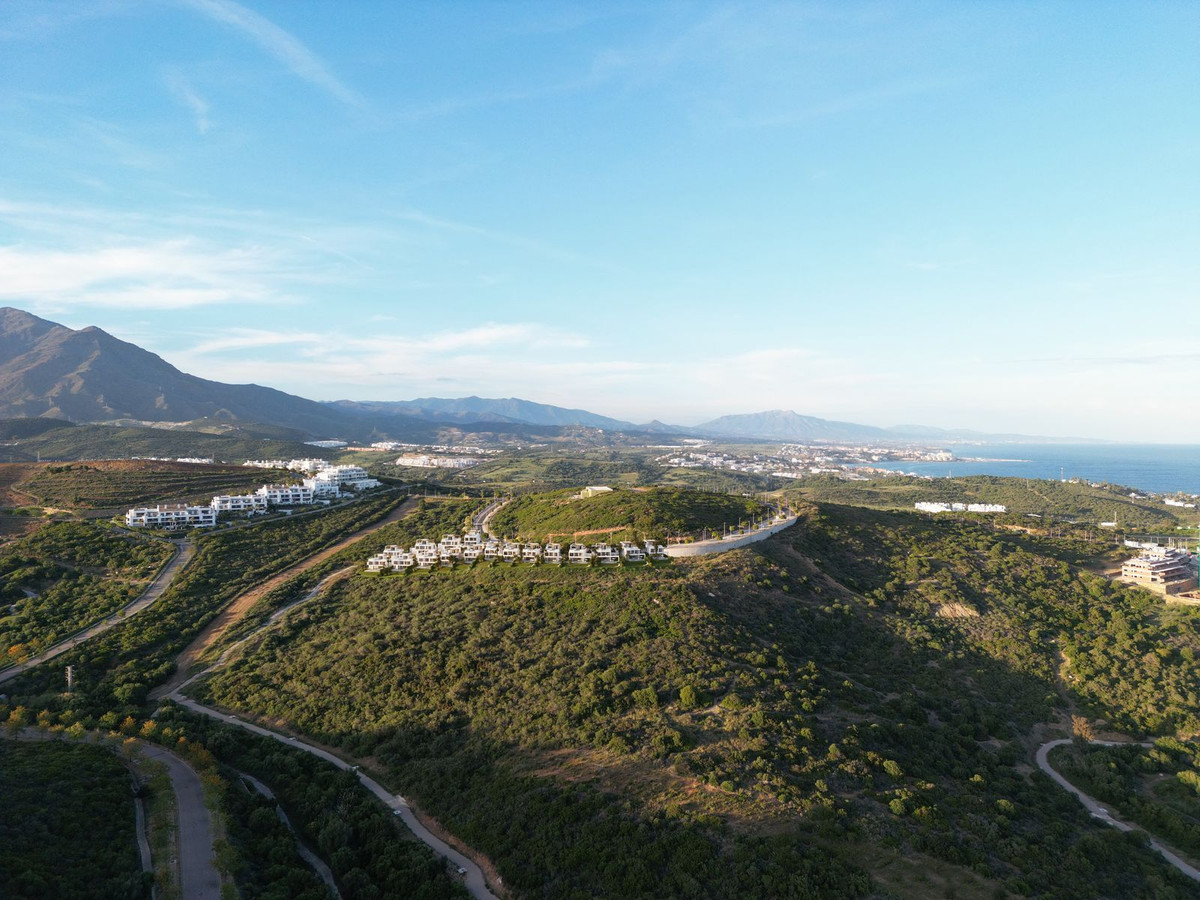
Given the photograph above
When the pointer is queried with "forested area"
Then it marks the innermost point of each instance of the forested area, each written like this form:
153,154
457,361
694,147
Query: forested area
115,670
1022,496
863,677
65,576
656,513
66,824
120,483
1155,787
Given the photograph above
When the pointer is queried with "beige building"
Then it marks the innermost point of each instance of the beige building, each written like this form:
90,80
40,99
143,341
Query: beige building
1161,569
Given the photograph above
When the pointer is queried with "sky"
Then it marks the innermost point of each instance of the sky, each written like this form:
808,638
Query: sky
979,215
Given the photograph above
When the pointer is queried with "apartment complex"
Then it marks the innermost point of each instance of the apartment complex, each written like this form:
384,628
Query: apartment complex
1163,570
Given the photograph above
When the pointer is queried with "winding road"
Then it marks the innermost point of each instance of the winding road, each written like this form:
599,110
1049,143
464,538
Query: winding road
473,878
194,835
198,876
1100,812
184,551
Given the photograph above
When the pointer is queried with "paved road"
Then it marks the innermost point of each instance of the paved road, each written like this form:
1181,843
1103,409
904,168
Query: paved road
184,551
483,518
198,876
194,835
473,878
1100,812
318,864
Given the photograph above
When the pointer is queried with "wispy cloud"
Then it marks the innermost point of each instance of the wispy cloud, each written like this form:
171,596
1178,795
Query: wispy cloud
174,274
281,44
182,90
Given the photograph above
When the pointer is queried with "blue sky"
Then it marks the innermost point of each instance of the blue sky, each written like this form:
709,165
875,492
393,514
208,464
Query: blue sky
965,214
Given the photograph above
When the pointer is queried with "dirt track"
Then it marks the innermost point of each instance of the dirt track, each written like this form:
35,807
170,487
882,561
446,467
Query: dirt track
243,603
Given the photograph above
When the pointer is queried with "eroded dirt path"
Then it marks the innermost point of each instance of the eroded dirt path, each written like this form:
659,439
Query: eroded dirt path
243,602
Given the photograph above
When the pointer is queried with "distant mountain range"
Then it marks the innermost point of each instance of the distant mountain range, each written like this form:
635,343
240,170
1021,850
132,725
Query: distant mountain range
49,370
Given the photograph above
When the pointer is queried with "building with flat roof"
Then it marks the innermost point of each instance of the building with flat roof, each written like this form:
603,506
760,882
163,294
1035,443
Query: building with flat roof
1163,570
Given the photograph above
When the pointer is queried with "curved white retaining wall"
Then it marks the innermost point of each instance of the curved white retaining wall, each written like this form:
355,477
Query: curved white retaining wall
703,548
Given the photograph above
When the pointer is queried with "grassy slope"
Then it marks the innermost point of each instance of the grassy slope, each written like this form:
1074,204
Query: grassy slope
656,512
78,572
80,442
713,729
1021,495
122,483
66,823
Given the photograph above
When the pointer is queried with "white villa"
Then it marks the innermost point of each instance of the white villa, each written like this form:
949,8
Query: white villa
471,547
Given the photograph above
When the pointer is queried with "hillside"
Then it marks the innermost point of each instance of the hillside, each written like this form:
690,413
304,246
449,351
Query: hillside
748,725
47,369
1061,501
482,409
114,484
624,514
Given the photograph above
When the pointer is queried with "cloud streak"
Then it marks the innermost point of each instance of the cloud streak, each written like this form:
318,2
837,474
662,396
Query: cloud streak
182,91
280,44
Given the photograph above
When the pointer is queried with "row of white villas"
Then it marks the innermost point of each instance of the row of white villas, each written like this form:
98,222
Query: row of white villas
326,485
471,547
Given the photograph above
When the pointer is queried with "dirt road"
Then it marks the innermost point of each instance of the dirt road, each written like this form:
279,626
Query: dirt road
243,603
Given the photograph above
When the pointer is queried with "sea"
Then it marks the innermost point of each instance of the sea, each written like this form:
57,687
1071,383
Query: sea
1156,468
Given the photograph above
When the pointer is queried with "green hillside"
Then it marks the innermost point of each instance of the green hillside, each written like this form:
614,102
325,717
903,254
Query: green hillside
745,725
22,442
65,576
66,824
114,484
626,514
1023,496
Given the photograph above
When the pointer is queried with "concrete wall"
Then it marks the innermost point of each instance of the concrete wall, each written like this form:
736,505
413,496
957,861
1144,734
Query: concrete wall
703,548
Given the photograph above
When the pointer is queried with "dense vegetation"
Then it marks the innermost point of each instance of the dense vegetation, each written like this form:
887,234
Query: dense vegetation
124,483
372,856
1052,500
1156,787
624,514
65,576
116,670
91,442
66,824
733,726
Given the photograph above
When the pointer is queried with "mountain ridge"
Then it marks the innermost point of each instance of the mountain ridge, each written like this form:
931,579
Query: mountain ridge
88,375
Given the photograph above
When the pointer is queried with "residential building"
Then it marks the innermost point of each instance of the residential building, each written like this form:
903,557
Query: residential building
579,555
247,503
286,494
1163,570
171,515
553,554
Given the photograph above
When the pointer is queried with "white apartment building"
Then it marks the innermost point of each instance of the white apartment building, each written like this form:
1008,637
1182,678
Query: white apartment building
631,552
286,494
579,555
606,555
171,515
247,503
553,554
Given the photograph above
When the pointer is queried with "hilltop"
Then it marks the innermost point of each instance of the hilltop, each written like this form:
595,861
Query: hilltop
638,514
844,709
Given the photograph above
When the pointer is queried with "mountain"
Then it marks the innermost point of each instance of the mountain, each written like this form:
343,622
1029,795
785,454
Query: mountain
47,369
785,425
483,409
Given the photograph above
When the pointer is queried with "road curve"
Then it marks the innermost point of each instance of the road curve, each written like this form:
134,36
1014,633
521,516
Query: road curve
473,878
184,551
318,865
1100,812
198,876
